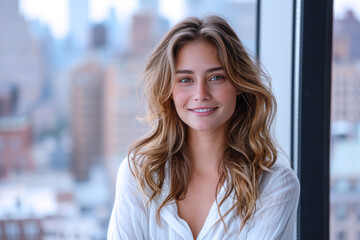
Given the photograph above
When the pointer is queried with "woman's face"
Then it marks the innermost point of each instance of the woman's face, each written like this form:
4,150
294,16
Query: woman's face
204,97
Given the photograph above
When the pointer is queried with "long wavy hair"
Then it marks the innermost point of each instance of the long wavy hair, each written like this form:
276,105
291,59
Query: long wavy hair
250,149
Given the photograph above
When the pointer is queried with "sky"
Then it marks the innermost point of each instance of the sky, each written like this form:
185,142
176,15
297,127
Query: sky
55,12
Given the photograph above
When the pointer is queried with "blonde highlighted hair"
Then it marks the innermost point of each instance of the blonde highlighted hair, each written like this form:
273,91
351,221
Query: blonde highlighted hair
250,150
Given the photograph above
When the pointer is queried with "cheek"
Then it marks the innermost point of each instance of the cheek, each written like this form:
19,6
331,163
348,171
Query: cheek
228,96
178,103
179,99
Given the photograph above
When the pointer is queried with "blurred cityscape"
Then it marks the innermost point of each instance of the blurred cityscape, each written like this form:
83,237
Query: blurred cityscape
68,110
345,132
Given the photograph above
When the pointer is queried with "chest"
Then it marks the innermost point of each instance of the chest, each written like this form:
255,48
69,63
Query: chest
200,218
196,206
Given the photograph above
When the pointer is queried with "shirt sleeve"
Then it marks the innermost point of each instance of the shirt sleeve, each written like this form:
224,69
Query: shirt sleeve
275,215
128,218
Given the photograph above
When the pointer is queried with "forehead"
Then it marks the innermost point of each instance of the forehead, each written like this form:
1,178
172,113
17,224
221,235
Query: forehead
195,54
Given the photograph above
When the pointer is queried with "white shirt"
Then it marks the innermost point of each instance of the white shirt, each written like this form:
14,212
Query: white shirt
133,219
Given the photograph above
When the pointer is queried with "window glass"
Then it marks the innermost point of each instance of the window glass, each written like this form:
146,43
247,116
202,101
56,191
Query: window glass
345,122
68,102
341,235
341,212
31,230
2,144
12,230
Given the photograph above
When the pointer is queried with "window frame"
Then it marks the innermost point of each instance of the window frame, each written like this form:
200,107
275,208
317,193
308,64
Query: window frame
311,56
312,143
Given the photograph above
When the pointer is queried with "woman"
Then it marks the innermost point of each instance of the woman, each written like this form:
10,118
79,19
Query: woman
208,168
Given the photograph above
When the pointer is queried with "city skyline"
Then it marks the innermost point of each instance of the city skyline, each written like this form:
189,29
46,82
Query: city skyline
55,13
81,109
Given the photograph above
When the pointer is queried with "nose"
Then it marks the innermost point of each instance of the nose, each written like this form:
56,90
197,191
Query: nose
201,92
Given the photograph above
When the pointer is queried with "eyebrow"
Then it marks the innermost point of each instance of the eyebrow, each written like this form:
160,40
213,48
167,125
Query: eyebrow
184,71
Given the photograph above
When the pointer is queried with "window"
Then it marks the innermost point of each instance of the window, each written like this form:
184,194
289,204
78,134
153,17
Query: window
2,144
31,230
284,34
341,235
345,134
312,44
341,212
76,84
12,230
15,143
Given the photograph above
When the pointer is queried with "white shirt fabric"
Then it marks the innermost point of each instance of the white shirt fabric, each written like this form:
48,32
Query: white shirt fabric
133,219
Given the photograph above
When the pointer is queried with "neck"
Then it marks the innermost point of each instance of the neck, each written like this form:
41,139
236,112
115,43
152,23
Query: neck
206,151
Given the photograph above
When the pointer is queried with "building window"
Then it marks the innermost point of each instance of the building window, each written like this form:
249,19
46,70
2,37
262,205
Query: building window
15,143
2,146
341,212
31,230
12,230
342,186
341,235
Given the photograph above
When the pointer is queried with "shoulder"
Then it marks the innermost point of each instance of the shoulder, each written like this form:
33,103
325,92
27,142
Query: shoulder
129,215
130,183
280,171
126,180
124,171
276,208
280,182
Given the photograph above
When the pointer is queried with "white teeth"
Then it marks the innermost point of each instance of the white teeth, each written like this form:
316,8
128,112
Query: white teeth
203,110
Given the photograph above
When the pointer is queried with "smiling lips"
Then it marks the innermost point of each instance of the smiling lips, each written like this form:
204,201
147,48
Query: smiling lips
203,111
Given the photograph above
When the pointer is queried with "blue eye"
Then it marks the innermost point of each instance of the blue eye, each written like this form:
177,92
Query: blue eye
217,78
185,80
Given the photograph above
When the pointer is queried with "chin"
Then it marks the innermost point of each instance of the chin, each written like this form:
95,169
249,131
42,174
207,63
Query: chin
204,128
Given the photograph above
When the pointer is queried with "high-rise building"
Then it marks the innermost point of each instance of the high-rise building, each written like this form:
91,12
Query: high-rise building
345,100
15,146
95,116
147,29
87,117
345,188
8,99
345,116
21,58
110,114
346,70
99,36
142,32
346,37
